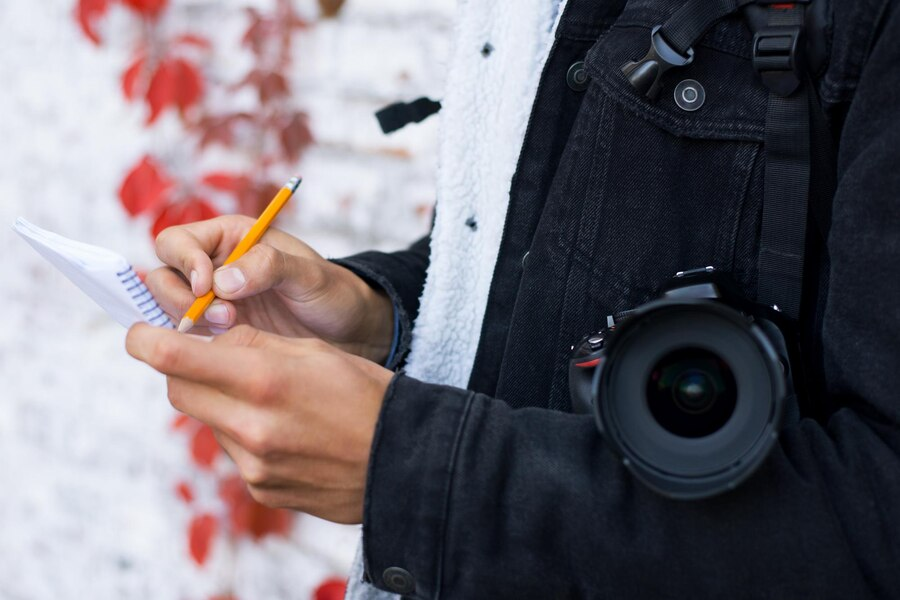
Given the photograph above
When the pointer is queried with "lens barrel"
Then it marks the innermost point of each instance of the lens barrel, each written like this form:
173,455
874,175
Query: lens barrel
690,395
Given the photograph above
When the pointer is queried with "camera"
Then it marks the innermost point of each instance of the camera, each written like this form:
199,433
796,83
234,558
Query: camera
690,390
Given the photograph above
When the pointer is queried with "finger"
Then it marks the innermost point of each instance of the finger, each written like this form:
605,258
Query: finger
175,297
255,477
270,483
239,370
207,404
246,336
253,468
264,267
193,248
170,290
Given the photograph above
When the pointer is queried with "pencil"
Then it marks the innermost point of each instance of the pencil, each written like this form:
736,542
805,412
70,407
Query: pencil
256,232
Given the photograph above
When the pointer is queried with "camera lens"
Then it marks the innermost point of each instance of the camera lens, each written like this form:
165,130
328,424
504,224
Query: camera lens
694,392
691,392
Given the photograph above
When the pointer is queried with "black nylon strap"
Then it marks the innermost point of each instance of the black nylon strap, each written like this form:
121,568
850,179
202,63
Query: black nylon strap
785,208
691,21
823,166
399,115
671,44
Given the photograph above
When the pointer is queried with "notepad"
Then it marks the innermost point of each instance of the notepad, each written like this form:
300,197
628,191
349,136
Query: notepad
100,273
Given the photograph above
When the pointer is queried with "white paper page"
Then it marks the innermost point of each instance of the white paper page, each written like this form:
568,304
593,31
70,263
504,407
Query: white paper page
100,273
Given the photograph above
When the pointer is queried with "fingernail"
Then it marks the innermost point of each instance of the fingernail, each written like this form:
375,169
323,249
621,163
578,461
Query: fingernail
217,313
194,276
229,280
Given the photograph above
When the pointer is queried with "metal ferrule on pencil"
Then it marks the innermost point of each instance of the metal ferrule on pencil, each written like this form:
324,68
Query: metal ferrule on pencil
293,184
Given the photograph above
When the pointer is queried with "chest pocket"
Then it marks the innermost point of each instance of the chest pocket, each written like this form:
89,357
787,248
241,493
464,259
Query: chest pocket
645,188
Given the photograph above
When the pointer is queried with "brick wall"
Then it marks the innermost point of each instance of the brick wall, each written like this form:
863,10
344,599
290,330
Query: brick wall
88,460
379,189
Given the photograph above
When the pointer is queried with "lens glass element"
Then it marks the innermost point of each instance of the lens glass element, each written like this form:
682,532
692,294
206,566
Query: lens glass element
691,392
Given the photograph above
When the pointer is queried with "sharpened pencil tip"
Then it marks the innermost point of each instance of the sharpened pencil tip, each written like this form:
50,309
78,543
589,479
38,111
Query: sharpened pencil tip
185,325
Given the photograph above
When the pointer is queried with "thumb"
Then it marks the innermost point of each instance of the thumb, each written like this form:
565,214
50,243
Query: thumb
263,268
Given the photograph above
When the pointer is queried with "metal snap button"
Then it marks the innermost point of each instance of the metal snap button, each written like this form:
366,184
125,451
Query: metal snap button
399,580
577,77
689,95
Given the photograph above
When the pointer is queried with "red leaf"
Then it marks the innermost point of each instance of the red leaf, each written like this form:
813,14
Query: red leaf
255,36
331,589
204,447
145,187
184,491
177,83
271,86
221,129
232,490
189,39
226,182
147,8
189,86
201,532
86,12
269,521
180,421
131,77
247,516
253,199
296,136
189,211
161,92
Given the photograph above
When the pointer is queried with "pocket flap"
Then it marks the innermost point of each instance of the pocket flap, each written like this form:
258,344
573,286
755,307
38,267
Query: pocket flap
736,101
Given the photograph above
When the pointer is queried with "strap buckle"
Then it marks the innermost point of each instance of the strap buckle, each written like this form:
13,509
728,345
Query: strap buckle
644,74
777,57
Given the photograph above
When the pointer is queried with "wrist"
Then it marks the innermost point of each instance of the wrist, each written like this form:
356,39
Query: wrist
380,319
377,323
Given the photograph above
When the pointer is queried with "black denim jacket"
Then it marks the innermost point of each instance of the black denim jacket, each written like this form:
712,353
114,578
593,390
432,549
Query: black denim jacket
498,492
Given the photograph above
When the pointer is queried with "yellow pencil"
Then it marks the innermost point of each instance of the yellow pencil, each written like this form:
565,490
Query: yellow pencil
256,232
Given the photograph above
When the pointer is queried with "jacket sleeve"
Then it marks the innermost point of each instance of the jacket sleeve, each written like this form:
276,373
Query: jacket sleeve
402,276
475,500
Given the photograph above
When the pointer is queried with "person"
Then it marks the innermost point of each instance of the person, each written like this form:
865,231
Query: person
561,200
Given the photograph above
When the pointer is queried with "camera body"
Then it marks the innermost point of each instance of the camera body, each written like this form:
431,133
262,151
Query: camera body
691,389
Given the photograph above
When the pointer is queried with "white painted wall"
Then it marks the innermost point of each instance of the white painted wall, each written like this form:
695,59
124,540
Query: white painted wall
87,458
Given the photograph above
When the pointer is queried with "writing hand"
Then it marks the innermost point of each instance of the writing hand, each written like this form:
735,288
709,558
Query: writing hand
280,285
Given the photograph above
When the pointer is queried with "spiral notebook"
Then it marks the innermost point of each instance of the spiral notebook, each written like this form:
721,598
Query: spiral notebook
100,273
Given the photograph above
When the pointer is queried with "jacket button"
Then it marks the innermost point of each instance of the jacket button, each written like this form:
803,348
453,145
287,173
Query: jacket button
399,580
577,77
689,95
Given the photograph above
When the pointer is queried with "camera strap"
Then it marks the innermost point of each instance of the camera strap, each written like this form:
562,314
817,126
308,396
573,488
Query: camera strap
672,43
779,57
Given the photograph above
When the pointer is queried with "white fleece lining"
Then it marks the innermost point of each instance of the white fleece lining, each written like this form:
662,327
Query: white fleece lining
486,106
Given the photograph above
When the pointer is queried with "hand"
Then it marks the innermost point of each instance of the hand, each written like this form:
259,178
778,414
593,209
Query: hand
281,286
297,416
